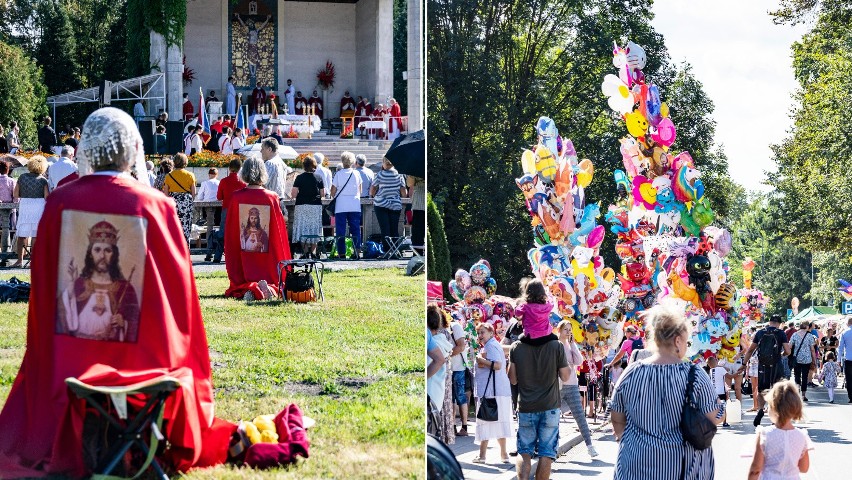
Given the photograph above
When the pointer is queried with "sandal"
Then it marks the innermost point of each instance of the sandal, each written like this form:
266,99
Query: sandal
478,460
506,459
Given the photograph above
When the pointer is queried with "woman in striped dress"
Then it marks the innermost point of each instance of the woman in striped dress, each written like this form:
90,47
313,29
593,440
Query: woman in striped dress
648,403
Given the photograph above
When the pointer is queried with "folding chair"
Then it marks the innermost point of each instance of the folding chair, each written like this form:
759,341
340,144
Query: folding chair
395,246
129,427
288,266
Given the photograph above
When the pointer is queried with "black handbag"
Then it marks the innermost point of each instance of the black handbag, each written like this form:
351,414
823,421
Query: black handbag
329,209
487,411
695,427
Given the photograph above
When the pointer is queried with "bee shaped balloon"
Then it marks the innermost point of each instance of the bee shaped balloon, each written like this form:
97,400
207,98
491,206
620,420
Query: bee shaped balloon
545,163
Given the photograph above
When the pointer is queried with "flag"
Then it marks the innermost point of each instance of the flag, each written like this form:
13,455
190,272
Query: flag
240,121
202,119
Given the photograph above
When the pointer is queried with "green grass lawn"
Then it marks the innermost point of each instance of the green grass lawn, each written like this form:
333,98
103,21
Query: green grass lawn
353,363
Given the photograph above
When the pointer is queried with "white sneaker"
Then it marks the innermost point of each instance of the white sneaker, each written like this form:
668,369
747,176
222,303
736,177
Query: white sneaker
592,452
264,287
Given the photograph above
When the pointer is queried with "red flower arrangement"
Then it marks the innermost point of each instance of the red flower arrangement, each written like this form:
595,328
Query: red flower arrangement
188,73
347,132
325,76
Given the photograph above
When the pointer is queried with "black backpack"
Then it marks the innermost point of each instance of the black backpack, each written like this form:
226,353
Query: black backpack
637,344
768,350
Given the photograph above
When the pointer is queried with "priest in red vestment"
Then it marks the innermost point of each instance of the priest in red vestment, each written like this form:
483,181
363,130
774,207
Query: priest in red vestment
255,236
188,109
113,303
395,120
258,98
378,114
316,102
362,111
347,104
300,103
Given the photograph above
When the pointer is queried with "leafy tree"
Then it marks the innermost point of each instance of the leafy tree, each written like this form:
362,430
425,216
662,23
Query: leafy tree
783,270
438,254
22,92
400,52
494,68
815,158
57,48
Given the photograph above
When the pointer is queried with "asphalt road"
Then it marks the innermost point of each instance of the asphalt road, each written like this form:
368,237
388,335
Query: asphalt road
829,426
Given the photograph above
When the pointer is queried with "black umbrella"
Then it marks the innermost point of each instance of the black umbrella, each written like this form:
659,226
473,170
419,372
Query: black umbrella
408,154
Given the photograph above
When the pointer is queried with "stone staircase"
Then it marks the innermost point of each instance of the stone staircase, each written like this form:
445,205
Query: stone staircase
332,146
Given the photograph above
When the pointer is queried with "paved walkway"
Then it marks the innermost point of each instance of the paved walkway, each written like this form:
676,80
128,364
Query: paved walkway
466,450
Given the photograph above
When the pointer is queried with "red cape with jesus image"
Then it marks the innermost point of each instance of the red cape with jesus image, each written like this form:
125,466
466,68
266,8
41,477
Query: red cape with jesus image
255,240
113,303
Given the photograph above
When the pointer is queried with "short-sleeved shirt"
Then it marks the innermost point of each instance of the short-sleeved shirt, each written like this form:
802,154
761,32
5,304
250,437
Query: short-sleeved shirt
800,346
387,196
514,332
31,185
537,372
227,187
779,334
457,360
367,177
309,185
651,397
179,181
348,194
717,377
829,343
499,385
7,188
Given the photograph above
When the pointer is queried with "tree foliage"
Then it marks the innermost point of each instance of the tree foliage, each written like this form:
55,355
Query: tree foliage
438,254
56,48
400,52
815,159
22,92
494,68
783,270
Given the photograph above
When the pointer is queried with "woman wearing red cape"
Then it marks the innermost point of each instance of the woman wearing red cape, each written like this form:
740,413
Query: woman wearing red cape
256,236
113,303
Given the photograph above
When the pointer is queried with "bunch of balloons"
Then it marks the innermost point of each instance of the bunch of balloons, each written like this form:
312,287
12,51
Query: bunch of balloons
751,305
474,291
662,218
567,239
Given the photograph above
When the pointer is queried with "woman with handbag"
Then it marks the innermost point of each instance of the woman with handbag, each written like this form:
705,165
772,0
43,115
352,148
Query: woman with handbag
346,190
803,357
649,404
494,400
180,185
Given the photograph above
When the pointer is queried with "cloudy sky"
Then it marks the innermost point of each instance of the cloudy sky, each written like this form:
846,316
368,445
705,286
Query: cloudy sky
744,62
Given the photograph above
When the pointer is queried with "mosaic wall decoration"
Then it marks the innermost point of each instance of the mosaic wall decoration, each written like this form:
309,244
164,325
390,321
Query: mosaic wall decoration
253,36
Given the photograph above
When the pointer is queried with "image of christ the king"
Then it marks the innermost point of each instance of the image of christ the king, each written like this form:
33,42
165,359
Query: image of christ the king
253,237
98,301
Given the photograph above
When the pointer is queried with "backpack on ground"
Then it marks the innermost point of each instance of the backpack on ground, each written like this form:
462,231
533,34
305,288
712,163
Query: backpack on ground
299,284
768,350
373,249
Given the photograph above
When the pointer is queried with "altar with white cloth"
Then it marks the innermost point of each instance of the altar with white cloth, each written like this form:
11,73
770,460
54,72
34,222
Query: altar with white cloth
298,122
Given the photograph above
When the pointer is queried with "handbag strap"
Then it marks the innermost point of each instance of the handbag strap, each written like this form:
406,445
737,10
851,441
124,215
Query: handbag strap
488,382
178,183
801,343
690,385
344,186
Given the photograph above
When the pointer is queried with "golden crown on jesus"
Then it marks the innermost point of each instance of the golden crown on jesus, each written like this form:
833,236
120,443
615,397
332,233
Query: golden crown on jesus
103,232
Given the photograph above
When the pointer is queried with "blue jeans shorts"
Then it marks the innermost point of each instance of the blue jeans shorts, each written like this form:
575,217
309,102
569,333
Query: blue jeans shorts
459,395
538,433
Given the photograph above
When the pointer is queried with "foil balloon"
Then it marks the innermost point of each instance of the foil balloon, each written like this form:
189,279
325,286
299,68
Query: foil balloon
463,279
479,273
455,290
637,125
665,133
585,173
620,97
474,295
528,162
545,164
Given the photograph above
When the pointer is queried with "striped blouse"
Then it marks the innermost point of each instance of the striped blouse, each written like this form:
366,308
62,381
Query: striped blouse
387,196
651,397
